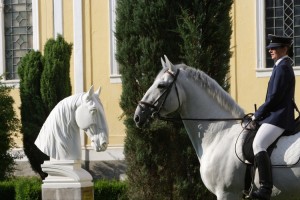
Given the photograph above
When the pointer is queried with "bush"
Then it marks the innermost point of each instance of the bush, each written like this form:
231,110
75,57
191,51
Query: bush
21,189
162,163
145,31
55,80
205,29
7,190
110,190
9,124
28,189
33,112
44,81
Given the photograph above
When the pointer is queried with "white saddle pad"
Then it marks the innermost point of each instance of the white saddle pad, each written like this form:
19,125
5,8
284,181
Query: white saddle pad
286,152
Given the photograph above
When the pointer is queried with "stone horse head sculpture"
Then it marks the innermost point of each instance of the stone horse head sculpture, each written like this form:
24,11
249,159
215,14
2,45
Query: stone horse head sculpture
59,137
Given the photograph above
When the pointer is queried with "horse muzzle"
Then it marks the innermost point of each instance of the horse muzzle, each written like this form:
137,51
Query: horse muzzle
99,141
102,147
142,115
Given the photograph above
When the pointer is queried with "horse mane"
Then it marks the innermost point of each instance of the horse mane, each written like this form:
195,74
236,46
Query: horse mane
213,88
58,128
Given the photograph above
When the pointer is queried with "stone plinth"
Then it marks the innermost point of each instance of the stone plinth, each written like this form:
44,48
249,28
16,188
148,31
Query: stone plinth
66,181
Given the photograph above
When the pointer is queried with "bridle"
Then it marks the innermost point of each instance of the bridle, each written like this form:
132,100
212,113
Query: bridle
157,108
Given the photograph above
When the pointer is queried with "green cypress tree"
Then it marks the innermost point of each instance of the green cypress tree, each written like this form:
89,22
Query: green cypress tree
145,31
33,112
205,27
9,124
55,81
44,81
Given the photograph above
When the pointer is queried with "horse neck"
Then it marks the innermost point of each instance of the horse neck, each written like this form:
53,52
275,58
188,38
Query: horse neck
198,104
69,105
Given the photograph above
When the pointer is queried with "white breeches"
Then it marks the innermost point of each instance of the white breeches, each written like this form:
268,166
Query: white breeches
265,136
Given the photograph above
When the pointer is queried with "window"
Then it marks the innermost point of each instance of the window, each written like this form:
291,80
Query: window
19,34
115,76
279,17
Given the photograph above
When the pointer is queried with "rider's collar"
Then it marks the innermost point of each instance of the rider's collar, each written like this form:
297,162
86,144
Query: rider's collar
280,59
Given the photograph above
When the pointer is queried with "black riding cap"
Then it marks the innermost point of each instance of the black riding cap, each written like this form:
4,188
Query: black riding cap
278,41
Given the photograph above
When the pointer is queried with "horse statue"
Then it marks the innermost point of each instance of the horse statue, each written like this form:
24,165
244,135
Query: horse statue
210,118
59,136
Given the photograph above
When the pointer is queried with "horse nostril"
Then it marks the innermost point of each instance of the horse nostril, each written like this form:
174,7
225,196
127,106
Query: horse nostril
136,118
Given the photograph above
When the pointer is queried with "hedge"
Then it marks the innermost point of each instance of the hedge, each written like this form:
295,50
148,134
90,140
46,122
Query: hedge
7,190
30,189
110,190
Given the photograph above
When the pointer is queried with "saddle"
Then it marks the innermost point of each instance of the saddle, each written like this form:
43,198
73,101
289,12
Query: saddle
252,129
284,156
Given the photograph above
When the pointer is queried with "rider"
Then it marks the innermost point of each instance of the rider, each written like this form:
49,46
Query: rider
276,114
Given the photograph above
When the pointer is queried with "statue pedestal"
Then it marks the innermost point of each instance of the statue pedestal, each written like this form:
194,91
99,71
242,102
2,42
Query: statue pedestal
66,181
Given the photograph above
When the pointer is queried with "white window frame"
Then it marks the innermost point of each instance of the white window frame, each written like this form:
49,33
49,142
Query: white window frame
261,70
115,76
35,35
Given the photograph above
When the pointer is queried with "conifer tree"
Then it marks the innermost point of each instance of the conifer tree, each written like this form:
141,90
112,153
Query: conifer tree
145,31
205,28
44,81
33,112
9,124
161,161
55,81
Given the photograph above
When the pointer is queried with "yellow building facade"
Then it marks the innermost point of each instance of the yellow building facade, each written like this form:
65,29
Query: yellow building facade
89,25
249,74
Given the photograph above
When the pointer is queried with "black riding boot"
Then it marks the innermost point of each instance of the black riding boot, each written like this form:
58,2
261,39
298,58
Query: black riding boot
264,166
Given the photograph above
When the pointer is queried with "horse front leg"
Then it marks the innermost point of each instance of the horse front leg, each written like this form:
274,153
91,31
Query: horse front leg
224,180
217,187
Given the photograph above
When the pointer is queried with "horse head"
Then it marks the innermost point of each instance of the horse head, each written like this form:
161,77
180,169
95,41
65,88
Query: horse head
162,98
90,117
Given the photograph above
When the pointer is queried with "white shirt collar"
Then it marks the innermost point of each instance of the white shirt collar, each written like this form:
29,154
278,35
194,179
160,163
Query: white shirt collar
280,59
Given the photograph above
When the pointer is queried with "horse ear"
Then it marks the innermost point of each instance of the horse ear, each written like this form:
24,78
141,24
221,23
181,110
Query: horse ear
169,64
98,92
90,92
163,63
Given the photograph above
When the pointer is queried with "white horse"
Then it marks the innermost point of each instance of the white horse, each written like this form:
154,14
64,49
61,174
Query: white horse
59,136
196,96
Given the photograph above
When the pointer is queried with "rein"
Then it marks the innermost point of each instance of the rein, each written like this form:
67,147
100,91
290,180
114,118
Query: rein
197,119
166,93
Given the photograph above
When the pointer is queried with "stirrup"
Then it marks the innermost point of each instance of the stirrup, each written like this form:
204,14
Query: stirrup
246,194
262,193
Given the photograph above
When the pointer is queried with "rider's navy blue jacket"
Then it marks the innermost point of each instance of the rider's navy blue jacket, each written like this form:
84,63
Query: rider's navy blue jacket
278,108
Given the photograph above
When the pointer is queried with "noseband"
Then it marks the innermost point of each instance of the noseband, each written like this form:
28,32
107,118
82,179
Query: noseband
157,107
